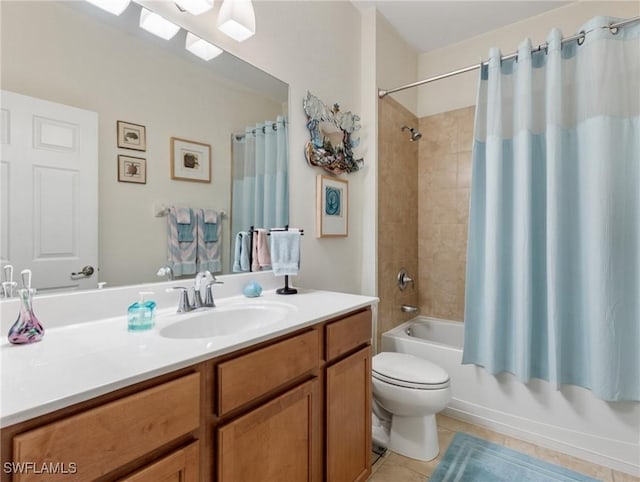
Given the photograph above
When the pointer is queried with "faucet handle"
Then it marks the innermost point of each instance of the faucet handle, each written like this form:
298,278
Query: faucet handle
209,301
183,303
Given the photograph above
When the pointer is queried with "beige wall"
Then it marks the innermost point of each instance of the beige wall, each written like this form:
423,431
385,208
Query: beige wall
397,214
444,181
397,63
460,91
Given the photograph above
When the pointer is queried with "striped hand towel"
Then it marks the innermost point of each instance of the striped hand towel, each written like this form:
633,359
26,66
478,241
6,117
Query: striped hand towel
208,242
182,254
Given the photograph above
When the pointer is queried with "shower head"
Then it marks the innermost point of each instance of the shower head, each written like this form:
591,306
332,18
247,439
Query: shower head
415,135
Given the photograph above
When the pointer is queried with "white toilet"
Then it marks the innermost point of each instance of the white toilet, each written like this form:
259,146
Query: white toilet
408,391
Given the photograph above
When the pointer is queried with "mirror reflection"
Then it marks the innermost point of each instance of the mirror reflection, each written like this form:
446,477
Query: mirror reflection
79,71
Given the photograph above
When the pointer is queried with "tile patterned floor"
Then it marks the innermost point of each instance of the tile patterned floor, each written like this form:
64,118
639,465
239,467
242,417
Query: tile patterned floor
392,467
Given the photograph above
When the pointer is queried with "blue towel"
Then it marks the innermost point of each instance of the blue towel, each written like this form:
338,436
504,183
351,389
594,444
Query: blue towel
208,246
285,252
241,253
210,226
182,255
184,218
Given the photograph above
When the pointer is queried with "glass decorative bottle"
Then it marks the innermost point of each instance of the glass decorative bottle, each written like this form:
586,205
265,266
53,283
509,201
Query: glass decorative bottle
27,328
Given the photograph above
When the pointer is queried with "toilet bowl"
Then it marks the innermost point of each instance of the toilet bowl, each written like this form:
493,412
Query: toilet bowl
408,391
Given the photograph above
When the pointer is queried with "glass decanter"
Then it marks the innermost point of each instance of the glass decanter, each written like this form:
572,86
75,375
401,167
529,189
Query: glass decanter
27,328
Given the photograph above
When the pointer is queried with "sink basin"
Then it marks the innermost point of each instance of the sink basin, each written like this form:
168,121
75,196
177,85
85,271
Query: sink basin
225,321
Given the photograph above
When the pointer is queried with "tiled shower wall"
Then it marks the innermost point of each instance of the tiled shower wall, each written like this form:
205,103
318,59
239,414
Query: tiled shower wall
444,182
397,216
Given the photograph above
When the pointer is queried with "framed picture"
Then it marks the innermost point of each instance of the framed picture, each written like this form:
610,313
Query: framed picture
132,169
332,204
190,160
132,136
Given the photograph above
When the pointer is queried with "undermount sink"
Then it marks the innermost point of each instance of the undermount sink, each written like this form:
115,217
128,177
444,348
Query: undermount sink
227,320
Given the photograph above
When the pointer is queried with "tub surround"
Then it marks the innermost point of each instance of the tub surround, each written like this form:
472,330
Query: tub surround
444,182
397,218
99,356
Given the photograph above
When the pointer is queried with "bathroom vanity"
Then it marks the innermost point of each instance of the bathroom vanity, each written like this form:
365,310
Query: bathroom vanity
291,403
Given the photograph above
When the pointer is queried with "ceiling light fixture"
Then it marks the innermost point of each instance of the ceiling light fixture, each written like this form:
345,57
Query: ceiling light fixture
201,48
115,7
195,7
237,19
157,25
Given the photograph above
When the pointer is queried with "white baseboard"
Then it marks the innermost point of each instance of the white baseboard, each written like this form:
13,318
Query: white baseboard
614,454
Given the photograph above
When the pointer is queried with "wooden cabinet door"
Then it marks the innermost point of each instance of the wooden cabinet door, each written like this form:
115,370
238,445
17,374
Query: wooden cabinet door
348,423
274,442
180,466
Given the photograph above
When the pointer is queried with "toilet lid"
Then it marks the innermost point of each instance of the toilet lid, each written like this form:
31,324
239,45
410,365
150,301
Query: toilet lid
409,371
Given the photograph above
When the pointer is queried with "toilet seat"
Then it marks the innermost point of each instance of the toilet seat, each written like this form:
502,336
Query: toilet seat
409,371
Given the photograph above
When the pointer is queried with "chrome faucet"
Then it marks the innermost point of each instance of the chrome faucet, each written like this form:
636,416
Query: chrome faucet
197,286
183,302
184,305
166,271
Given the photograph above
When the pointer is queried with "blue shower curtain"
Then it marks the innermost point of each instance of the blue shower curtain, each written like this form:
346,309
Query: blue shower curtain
260,177
553,261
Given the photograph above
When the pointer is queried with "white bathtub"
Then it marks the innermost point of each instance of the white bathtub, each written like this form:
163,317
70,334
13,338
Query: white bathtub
570,420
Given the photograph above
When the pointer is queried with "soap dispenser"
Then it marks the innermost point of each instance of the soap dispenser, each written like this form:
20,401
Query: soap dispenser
27,328
141,314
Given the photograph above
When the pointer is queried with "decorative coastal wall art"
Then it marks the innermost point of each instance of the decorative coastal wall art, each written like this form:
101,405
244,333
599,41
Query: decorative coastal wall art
132,136
332,204
331,145
190,160
132,169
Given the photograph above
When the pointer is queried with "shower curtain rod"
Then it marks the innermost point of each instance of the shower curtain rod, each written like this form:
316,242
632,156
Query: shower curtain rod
579,37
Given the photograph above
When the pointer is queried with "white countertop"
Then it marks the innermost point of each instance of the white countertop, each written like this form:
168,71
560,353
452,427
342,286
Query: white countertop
81,361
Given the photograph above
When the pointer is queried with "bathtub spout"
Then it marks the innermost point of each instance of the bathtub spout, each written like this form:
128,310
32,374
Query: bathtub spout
409,309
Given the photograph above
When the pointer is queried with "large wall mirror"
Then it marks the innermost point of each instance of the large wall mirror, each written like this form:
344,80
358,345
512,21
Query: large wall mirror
74,54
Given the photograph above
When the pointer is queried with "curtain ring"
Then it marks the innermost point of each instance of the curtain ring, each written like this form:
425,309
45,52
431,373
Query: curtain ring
614,30
583,35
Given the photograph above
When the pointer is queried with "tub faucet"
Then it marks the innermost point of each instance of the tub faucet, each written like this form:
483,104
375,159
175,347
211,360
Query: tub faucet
409,309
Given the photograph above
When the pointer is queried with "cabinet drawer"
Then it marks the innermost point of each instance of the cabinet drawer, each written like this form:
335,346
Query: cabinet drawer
179,466
249,376
104,438
348,333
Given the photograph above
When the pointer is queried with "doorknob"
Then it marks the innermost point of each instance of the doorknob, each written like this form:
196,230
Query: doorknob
86,272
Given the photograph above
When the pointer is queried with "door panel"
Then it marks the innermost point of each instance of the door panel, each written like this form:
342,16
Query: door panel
49,181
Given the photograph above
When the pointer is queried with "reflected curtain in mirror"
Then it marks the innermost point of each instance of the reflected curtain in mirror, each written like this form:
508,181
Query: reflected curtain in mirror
260,176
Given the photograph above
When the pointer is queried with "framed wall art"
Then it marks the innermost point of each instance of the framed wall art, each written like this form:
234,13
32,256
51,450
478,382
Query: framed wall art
190,160
132,169
332,204
132,136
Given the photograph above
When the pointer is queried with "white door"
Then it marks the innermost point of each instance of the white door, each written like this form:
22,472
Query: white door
49,191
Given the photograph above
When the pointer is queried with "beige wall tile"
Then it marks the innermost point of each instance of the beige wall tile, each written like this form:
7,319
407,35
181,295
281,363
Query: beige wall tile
443,211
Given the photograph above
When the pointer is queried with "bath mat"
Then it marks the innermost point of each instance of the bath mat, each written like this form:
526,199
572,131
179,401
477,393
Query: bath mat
470,459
